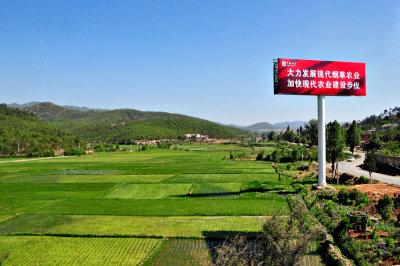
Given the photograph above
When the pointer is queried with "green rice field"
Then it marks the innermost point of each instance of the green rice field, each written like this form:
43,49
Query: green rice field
132,207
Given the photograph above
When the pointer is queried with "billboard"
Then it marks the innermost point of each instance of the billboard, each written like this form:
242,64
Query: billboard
316,77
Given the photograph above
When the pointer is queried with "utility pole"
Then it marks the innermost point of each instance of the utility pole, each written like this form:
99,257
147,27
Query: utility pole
321,142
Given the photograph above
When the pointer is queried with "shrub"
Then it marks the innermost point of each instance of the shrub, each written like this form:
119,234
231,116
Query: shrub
384,206
260,155
74,151
363,180
304,167
49,153
346,197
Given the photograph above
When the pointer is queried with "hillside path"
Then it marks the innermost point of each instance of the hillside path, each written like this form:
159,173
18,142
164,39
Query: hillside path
354,169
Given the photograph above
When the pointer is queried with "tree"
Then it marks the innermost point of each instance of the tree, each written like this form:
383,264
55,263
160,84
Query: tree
370,163
272,136
335,145
353,136
385,206
289,135
311,132
375,143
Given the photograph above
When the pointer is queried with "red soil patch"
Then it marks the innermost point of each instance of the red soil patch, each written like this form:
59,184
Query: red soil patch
365,235
376,191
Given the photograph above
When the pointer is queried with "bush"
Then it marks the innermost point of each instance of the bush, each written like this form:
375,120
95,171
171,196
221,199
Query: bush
49,153
74,151
304,167
384,206
355,197
260,155
363,180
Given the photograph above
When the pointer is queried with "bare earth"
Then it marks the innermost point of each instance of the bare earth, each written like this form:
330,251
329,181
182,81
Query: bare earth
377,190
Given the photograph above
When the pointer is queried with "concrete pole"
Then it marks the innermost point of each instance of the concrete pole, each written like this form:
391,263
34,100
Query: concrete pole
321,142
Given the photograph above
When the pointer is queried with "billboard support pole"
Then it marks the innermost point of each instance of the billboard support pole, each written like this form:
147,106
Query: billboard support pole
321,142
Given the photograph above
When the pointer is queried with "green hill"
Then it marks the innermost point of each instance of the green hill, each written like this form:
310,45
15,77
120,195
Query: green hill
128,125
34,137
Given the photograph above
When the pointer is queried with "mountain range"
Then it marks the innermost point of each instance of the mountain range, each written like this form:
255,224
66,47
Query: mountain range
127,125
70,115
263,127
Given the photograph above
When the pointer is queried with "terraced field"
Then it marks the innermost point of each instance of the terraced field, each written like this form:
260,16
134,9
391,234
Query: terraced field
131,207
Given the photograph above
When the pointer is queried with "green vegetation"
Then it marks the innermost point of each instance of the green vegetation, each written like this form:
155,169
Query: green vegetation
37,250
334,146
167,207
191,252
121,200
106,225
148,191
124,126
353,136
23,135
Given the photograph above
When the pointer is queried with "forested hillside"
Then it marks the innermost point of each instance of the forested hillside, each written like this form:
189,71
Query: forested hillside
128,125
34,137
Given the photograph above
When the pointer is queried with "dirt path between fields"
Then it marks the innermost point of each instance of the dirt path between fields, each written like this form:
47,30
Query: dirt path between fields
35,159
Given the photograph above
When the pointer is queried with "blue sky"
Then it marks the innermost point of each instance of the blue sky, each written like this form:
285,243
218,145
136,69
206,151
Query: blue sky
209,59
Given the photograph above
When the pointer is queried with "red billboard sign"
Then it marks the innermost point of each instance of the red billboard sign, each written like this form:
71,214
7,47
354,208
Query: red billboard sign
315,77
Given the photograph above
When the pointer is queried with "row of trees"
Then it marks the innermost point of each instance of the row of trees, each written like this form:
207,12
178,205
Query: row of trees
338,138
309,134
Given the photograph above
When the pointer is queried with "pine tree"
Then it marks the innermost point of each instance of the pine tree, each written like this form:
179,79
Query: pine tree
353,136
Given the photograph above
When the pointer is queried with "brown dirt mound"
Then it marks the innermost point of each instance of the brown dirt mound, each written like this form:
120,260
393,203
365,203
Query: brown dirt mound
376,191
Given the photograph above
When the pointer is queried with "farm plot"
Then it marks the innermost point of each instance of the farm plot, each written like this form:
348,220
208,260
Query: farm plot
149,191
5,216
45,250
170,226
222,178
51,195
152,194
184,252
225,190
168,207
13,206
112,178
46,191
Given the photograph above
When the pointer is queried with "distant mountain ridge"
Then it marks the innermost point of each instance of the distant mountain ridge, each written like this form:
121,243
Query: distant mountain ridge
260,127
293,125
71,107
266,127
128,125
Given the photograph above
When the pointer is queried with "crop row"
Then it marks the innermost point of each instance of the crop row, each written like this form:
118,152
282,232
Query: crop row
39,250
168,207
185,252
181,226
